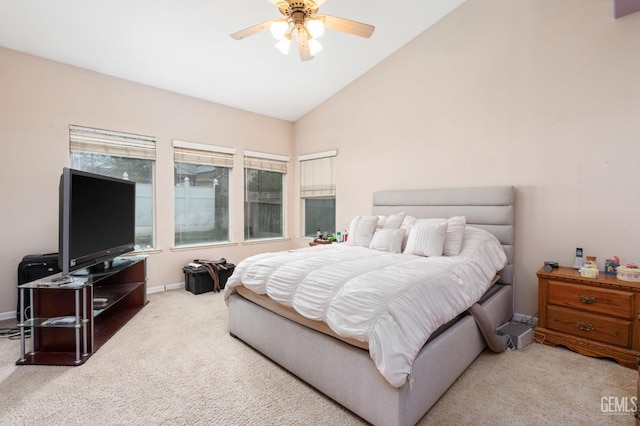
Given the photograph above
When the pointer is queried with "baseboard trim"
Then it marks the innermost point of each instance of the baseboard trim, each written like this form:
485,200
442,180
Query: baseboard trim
163,288
7,315
158,289
176,286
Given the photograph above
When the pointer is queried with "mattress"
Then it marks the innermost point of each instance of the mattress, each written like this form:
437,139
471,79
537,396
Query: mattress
319,326
291,314
393,302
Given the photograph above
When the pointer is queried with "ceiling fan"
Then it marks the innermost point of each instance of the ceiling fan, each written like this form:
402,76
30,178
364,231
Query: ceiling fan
302,21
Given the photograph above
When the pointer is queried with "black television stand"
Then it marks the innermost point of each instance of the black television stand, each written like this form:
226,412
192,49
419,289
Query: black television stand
67,327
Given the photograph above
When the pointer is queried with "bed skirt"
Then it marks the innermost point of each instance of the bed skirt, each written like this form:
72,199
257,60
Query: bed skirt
347,374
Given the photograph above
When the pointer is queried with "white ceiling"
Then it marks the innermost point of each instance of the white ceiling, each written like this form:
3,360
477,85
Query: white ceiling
184,45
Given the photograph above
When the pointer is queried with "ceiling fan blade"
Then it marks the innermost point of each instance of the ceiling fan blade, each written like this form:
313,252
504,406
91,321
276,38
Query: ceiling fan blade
252,30
287,2
303,45
347,26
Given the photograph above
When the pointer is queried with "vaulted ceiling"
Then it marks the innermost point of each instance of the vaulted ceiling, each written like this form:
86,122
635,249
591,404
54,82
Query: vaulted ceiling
184,46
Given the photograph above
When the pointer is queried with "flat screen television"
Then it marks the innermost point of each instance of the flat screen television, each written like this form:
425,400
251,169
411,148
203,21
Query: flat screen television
97,220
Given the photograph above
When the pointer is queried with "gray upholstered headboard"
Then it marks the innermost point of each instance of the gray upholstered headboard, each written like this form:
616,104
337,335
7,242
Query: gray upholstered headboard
490,208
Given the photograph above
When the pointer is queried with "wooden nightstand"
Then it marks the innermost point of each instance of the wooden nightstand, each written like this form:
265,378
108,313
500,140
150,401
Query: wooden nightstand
597,317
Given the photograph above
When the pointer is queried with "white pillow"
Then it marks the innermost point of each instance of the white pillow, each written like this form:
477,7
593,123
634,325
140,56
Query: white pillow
390,222
407,224
427,238
361,230
455,235
394,221
387,240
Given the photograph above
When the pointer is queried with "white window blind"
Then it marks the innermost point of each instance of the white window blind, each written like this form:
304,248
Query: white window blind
105,142
264,161
193,153
317,175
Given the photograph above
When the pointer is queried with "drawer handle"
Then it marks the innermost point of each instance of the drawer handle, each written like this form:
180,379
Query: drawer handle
587,300
585,326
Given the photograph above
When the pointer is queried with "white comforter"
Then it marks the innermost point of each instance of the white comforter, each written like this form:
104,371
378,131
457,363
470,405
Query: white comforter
392,301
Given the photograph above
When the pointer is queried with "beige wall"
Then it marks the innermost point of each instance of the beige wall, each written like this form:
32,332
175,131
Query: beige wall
543,95
38,101
540,94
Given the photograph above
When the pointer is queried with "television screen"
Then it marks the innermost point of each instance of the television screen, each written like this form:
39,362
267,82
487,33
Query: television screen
97,219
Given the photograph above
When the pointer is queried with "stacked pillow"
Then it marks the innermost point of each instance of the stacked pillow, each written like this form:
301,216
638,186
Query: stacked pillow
361,230
390,222
426,238
399,233
436,237
388,240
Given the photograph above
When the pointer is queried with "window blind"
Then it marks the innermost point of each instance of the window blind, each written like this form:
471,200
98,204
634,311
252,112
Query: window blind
192,153
105,142
317,177
264,161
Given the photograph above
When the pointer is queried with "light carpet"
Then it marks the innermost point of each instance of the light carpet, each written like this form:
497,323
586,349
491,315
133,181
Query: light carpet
175,364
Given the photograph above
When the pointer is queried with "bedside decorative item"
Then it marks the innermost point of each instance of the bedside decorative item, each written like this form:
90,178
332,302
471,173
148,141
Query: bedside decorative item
590,268
611,264
589,272
630,273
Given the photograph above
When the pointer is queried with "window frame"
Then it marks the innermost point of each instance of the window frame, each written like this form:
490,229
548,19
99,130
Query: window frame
115,144
275,163
323,187
199,154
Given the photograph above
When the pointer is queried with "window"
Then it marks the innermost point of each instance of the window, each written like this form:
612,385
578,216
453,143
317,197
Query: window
201,193
264,195
124,156
318,192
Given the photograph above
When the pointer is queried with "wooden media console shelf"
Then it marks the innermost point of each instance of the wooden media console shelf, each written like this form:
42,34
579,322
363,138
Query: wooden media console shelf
72,317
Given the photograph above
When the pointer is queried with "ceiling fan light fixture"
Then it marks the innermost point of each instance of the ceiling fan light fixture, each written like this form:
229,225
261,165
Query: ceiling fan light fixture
314,47
300,19
283,44
315,27
279,28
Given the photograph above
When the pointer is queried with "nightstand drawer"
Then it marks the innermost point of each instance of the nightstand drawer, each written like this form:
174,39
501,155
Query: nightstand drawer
594,327
598,300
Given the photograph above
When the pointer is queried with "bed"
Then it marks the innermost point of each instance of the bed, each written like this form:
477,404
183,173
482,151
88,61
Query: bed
342,368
